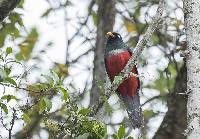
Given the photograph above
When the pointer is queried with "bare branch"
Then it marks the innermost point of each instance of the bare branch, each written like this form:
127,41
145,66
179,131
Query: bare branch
6,6
12,123
151,99
80,56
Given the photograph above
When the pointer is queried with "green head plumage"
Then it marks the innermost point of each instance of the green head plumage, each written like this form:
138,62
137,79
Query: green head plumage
114,41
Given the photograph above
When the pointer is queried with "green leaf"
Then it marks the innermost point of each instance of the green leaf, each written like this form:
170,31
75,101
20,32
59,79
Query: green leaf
26,118
148,114
137,12
42,106
121,132
64,93
21,3
3,74
48,79
172,70
94,17
118,79
26,47
130,137
84,111
55,77
11,81
16,18
130,25
19,57
48,104
114,136
8,50
8,97
7,70
9,29
4,107
178,23
155,39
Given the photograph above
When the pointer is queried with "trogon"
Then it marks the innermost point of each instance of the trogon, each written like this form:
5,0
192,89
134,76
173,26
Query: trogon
116,57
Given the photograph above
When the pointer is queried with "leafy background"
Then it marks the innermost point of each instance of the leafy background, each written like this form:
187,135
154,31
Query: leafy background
46,69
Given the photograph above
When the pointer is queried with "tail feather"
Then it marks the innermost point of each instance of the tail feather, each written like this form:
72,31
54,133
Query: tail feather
133,109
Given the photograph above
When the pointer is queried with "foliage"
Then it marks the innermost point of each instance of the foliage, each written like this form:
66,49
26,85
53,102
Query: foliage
56,106
74,121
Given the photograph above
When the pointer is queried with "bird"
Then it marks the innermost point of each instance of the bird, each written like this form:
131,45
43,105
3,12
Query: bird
116,56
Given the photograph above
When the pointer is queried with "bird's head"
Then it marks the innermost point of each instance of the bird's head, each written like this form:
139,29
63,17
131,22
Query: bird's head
114,41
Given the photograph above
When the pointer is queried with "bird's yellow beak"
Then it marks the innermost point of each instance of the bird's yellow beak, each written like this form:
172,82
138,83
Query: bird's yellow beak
109,34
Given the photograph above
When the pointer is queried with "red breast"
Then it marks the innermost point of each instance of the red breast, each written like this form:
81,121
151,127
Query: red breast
115,64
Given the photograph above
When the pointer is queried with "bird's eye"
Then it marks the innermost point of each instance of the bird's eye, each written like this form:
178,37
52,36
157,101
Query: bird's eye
119,36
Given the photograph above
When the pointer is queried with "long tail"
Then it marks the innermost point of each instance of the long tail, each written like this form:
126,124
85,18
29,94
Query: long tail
134,110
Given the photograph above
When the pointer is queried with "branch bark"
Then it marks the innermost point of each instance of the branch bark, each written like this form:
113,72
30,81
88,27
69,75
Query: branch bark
6,6
192,28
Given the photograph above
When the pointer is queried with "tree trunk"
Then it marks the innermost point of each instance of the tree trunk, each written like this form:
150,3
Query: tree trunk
192,28
174,122
105,23
6,6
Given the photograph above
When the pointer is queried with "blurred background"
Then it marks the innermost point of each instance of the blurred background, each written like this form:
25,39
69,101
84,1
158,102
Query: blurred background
54,69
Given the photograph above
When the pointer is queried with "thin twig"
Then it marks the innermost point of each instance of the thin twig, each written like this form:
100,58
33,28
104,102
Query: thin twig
151,99
12,123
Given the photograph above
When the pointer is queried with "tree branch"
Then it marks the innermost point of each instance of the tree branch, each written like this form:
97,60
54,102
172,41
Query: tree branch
6,6
12,123
136,53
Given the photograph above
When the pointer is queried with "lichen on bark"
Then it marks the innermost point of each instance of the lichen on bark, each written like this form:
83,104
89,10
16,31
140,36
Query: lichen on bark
192,28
